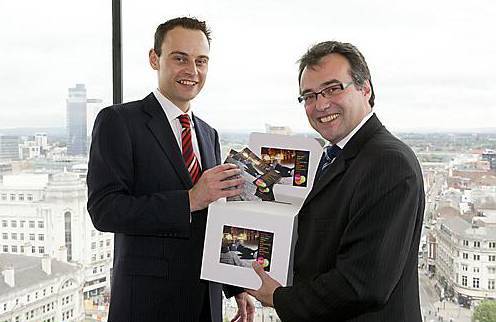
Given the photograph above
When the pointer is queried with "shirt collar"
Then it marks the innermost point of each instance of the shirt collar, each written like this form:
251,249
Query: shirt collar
171,111
347,138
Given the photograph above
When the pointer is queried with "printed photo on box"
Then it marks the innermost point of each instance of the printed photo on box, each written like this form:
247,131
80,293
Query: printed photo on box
241,246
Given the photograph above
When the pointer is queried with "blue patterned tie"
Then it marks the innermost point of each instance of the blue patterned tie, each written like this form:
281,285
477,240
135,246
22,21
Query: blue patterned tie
330,153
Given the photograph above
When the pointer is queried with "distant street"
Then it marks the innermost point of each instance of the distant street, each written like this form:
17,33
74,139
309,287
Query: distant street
433,310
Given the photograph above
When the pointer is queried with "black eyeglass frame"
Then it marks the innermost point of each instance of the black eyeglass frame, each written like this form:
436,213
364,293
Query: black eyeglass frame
325,92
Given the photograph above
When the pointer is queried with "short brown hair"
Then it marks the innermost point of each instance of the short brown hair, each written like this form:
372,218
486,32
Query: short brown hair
185,22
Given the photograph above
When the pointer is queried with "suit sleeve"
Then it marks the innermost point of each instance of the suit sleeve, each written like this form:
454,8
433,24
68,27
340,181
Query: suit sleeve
373,250
218,157
111,203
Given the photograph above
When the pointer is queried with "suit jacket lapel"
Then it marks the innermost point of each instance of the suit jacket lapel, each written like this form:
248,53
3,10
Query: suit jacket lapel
161,130
341,163
336,168
205,144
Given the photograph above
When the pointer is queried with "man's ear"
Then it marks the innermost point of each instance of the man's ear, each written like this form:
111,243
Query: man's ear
367,91
154,59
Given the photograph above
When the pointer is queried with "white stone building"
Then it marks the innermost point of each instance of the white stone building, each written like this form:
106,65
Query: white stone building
35,148
466,258
39,289
29,150
46,214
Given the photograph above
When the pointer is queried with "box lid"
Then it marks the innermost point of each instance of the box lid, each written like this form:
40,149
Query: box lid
305,156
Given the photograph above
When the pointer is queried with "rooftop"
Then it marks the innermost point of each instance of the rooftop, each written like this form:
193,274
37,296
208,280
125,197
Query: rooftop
25,180
463,228
28,271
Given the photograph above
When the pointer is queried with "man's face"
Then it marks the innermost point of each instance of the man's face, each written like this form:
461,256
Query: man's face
182,67
336,116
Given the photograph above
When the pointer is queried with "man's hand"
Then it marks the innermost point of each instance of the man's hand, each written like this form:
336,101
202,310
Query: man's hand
265,294
211,185
246,309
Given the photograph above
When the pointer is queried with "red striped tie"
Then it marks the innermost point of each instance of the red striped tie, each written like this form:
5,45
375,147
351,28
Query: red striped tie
189,156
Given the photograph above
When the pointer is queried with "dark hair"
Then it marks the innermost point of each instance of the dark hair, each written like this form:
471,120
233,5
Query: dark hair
185,22
359,70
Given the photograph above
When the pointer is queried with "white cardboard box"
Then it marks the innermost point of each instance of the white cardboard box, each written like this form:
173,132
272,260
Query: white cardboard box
267,229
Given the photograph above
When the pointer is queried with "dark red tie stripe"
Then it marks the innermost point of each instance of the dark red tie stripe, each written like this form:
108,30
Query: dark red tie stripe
189,156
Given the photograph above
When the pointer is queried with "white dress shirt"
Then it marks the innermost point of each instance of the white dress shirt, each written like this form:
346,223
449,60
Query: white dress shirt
172,112
345,140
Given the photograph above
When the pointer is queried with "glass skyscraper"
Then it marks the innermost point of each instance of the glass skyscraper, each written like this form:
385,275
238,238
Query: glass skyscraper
77,140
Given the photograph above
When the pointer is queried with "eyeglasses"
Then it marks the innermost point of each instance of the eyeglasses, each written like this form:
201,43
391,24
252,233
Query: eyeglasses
334,89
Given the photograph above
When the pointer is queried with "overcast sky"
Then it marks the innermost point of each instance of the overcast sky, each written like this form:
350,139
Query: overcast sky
432,62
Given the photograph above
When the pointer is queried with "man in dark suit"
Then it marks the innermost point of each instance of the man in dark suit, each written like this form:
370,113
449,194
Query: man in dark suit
153,170
359,227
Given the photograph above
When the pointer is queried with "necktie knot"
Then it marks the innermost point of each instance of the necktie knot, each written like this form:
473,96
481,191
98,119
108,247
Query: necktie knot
185,121
332,152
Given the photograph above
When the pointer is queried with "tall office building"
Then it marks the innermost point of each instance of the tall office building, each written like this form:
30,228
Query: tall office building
81,114
9,147
76,121
41,140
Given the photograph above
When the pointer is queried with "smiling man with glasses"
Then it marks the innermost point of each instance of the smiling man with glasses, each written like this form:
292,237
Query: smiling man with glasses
359,228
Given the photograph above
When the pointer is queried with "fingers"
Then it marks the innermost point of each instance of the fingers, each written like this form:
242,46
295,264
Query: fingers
250,309
251,305
222,168
218,178
213,186
231,183
236,317
242,315
253,293
243,312
259,270
242,309
262,274
233,192
229,173
251,315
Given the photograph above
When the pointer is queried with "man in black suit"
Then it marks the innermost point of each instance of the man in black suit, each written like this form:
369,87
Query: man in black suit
359,227
153,170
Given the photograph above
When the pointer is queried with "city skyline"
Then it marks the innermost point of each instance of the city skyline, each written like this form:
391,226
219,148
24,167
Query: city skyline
459,177
432,69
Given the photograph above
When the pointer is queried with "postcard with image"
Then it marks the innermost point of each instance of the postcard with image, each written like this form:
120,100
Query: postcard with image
258,163
249,189
292,165
265,184
258,175
241,246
